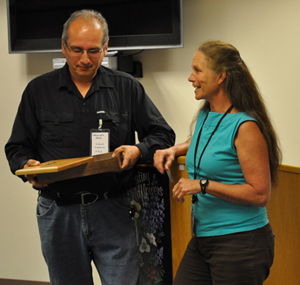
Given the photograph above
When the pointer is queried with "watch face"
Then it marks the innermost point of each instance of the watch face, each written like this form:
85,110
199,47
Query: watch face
203,181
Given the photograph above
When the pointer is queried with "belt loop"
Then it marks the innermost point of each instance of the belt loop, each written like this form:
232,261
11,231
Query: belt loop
83,195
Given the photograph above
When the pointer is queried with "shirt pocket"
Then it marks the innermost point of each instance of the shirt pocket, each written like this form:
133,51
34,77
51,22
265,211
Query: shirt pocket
117,123
57,128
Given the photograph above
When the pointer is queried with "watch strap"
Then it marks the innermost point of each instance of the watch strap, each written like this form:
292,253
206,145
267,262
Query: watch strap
203,184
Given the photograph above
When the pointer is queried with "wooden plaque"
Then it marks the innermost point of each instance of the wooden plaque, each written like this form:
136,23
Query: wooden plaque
54,165
63,169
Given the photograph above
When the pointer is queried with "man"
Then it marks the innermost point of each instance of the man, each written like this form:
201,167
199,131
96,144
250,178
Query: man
86,218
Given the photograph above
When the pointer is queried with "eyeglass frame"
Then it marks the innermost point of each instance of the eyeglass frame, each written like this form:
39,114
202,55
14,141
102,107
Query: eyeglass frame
80,51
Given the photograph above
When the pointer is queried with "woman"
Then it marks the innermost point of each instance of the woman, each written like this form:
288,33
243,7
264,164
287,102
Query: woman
232,159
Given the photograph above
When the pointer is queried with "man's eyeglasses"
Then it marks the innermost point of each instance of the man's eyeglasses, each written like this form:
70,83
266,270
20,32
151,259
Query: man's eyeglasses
91,53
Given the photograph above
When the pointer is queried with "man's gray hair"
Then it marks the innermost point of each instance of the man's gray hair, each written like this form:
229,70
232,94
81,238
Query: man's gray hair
87,14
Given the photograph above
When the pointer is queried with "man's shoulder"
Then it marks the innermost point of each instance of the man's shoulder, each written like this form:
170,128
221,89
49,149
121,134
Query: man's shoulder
51,75
113,73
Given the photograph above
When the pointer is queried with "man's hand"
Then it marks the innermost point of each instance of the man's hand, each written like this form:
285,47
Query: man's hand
32,178
128,156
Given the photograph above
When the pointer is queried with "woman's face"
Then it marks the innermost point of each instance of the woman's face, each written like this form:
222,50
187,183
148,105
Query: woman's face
206,82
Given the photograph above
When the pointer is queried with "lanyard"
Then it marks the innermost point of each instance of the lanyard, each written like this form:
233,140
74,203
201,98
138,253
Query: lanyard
198,140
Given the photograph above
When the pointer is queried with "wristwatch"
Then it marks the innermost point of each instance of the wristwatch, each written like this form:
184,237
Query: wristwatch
203,185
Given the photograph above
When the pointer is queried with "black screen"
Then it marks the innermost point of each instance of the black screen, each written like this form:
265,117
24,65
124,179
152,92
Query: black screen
36,26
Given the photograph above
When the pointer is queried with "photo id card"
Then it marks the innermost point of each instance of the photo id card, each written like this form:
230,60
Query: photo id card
99,141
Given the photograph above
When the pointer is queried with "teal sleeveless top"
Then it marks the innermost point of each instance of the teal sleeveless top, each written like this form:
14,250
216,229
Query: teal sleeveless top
214,216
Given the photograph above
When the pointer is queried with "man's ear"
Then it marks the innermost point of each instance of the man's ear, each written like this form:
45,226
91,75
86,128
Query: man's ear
106,49
63,47
222,77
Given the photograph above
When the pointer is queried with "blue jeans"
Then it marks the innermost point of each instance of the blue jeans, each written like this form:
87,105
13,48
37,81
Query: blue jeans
74,235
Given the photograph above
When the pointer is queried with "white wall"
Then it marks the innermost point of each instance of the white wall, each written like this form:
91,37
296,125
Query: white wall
266,32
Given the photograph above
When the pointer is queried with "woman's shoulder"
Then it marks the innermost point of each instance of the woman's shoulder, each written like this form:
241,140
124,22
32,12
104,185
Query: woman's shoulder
241,117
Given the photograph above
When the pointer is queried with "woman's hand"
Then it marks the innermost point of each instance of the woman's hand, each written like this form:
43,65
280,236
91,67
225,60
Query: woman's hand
185,187
163,159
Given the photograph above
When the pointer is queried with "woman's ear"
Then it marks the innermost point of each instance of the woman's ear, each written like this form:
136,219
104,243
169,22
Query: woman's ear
222,77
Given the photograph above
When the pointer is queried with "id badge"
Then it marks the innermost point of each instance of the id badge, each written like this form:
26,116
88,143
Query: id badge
99,141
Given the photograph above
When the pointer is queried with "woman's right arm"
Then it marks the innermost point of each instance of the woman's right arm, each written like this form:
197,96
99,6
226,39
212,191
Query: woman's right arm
163,158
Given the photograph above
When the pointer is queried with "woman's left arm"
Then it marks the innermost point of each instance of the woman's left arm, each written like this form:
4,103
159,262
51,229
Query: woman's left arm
253,155
252,151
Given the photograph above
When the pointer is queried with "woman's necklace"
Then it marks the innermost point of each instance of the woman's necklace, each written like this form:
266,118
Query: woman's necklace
198,140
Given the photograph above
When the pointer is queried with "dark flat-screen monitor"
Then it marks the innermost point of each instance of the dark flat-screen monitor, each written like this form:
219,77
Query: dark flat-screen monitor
36,25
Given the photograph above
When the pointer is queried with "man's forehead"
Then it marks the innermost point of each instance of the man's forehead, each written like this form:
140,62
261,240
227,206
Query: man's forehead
86,32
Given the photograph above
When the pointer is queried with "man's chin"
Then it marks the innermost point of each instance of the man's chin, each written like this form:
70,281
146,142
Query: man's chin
85,73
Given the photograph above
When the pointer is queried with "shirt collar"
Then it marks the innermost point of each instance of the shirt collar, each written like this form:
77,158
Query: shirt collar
65,77
102,78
